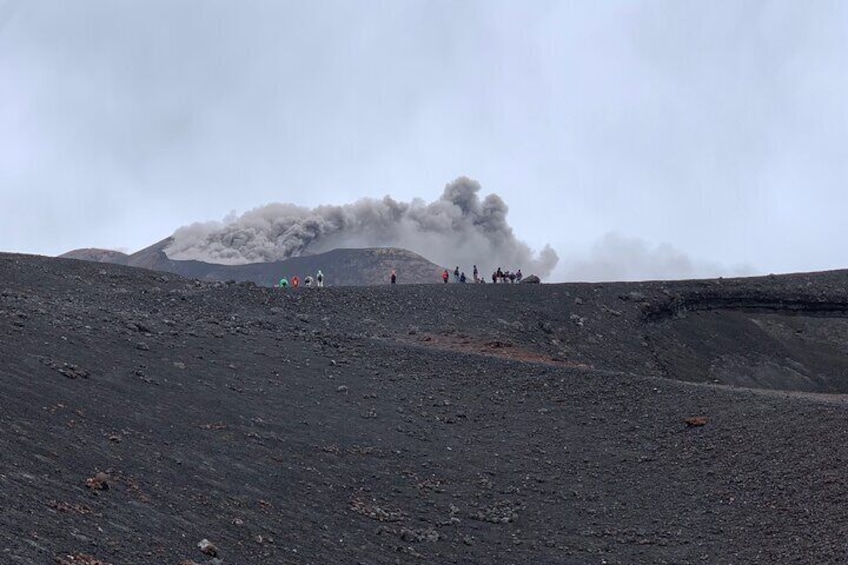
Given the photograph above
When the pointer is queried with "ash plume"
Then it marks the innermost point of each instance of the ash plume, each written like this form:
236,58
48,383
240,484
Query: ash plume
457,229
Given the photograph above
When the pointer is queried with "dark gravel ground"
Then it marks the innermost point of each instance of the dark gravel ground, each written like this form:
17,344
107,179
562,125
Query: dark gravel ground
420,424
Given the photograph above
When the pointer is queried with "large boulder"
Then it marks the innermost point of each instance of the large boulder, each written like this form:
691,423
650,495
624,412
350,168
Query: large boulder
531,279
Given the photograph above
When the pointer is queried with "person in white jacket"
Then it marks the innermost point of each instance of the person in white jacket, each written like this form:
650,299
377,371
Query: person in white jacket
319,278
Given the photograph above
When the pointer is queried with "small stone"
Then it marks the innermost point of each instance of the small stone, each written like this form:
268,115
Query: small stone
695,421
79,559
207,548
100,481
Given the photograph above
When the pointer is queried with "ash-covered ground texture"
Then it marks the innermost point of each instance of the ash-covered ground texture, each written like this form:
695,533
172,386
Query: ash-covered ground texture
147,418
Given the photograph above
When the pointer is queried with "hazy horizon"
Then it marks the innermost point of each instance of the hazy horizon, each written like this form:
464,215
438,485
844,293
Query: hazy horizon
638,140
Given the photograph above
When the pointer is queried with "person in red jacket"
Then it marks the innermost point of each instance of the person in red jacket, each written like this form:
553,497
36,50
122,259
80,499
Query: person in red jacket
295,281
445,276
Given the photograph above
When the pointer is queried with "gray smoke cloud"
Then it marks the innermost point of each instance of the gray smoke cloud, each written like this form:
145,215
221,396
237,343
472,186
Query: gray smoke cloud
457,229
616,257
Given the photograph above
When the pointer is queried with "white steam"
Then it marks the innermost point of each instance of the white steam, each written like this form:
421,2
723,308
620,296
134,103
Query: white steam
616,257
456,229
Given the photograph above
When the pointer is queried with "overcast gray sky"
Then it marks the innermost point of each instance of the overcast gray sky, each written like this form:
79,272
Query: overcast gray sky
638,139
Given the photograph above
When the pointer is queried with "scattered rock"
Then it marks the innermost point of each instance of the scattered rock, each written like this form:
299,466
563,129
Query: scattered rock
500,513
70,370
531,279
695,421
611,311
417,536
207,548
79,559
213,426
65,507
100,481
375,512
515,325
139,327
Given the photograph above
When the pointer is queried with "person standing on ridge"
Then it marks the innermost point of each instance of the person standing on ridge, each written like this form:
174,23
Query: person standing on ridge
475,273
462,277
307,282
394,276
295,281
320,278
284,282
445,277
456,274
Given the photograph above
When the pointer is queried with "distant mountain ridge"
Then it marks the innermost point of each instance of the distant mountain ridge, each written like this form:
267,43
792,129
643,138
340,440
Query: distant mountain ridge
97,255
347,267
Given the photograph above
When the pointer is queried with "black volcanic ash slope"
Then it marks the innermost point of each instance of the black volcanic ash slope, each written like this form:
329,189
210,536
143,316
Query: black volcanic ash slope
342,267
458,424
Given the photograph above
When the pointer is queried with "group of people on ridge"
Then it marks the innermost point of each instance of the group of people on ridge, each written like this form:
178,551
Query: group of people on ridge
498,276
458,276
307,282
507,276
